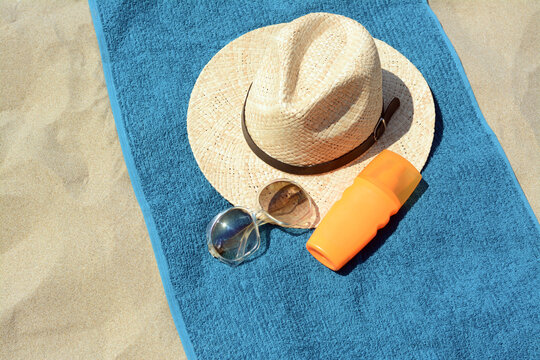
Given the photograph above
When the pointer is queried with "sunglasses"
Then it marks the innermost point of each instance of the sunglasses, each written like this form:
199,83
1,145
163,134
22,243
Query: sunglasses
233,235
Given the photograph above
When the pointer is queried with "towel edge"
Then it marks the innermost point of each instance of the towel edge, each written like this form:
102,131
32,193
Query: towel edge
163,266
489,130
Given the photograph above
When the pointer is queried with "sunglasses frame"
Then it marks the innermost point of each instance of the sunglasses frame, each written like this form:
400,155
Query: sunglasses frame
267,218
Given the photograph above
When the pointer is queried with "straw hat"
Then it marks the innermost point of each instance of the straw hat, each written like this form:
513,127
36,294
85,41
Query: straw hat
308,92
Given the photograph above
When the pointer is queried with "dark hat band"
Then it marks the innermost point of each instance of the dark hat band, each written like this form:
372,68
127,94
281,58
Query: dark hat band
328,165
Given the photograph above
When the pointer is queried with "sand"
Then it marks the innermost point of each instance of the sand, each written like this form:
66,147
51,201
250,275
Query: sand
78,278
498,42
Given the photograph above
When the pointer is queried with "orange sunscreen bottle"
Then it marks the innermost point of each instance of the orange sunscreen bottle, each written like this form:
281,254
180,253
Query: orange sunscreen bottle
366,206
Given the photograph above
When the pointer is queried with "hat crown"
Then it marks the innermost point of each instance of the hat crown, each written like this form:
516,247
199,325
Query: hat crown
318,91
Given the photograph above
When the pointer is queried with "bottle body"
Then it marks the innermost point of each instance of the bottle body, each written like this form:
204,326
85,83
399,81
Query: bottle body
351,223
377,193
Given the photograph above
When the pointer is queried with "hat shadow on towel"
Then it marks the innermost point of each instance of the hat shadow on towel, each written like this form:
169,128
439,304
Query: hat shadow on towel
395,131
406,106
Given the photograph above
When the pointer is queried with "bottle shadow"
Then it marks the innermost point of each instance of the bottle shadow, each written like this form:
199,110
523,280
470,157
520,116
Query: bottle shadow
373,246
384,233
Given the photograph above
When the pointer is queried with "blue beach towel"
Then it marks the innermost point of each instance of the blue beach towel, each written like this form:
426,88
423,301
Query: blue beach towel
454,274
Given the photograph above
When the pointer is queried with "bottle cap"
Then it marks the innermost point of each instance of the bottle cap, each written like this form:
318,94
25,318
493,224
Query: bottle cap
392,174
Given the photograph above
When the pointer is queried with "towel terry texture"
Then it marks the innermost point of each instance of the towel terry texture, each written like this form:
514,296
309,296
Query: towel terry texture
453,275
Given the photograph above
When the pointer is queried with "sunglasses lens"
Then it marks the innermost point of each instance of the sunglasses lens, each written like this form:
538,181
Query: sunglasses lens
233,235
287,203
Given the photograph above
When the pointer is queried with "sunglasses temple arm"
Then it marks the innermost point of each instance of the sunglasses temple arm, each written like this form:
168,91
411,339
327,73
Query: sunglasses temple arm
261,219
243,242
247,233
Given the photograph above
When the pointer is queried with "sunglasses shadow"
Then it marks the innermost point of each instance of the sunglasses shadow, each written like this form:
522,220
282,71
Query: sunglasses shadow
264,233
384,233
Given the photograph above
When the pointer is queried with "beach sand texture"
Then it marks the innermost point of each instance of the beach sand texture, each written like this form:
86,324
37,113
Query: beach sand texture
78,275
78,278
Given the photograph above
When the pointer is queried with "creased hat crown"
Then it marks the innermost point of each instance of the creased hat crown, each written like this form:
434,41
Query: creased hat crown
318,91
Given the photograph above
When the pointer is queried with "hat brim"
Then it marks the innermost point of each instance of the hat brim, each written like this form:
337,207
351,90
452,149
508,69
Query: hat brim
216,139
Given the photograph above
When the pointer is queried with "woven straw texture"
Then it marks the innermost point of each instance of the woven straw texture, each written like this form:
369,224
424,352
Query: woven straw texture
317,92
304,73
